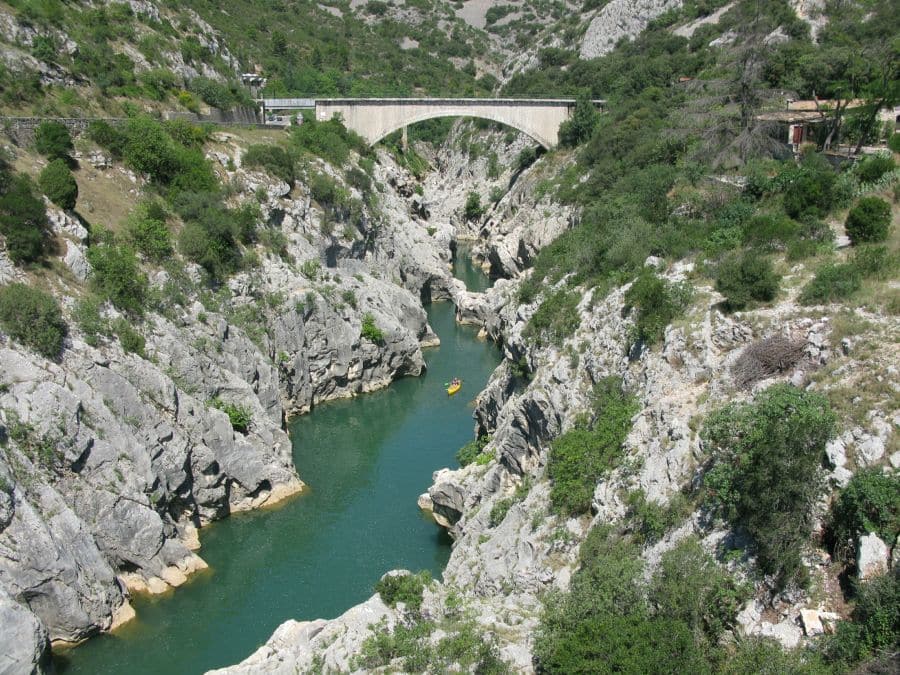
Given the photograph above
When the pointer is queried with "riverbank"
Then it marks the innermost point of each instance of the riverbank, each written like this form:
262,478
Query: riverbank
364,461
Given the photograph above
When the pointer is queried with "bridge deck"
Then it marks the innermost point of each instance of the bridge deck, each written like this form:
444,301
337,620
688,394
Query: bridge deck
308,103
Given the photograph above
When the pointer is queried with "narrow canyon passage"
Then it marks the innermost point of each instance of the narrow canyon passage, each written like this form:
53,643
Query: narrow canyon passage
365,461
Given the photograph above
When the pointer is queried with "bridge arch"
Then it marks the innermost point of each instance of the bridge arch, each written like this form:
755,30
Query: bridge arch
373,119
414,119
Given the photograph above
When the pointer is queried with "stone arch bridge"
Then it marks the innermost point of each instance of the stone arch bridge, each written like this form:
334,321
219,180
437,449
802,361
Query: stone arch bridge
375,118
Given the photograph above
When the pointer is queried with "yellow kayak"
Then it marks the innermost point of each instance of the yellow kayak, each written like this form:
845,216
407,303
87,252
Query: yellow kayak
453,388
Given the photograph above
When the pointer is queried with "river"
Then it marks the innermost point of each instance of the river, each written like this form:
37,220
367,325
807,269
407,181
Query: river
365,461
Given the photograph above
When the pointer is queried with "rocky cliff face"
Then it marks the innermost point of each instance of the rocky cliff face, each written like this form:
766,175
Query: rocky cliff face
110,461
510,548
621,19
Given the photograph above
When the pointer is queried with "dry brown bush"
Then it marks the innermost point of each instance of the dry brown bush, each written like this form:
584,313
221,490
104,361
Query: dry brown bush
765,358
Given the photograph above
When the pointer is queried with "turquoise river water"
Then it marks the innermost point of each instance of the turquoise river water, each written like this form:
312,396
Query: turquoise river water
365,461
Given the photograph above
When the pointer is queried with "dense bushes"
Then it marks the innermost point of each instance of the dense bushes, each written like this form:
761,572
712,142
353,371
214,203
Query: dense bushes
579,128
869,503
611,621
869,220
874,167
472,451
52,139
473,209
23,218
58,183
33,318
330,140
217,94
369,330
239,416
875,623
839,281
117,276
766,471
146,230
657,302
581,456
556,318
212,232
832,282
271,158
405,588
746,277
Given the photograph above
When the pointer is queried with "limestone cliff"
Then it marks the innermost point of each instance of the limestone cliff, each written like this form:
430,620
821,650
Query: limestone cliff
111,460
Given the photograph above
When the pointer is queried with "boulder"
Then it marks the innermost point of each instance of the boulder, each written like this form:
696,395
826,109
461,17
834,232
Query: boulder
24,643
872,556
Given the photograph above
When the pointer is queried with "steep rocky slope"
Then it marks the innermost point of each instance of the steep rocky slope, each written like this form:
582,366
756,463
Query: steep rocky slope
112,460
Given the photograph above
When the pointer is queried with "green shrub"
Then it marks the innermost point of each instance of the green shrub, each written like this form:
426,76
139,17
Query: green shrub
52,139
525,158
132,341
107,137
869,503
650,519
832,282
472,450
875,261
502,506
473,210
405,588
149,149
871,168
271,158
766,471
580,457
239,416
691,587
811,194
875,626
87,315
217,94
765,656
23,221
33,318
330,140
117,277
746,277
311,268
579,128
57,182
604,625
770,232
369,330
894,142
146,230
869,220
657,303
212,232
555,319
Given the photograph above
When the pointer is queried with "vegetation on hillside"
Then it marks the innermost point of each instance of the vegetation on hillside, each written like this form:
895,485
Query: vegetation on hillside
678,110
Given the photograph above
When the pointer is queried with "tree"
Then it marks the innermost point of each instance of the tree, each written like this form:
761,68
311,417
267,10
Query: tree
52,139
869,220
23,221
473,208
58,183
33,318
579,128
746,277
117,276
767,471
